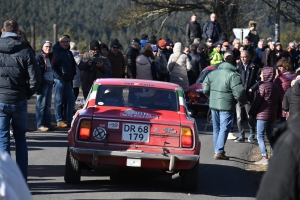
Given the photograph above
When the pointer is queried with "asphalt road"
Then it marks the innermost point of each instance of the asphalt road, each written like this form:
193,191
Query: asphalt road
218,179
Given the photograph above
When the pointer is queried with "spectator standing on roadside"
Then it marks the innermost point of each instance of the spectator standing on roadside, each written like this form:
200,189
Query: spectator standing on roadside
267,108
224,88
283,81
216,57
253,34
248,72
169,48
131,55
250,48
178,66
144,40
143,64
212,29
117,60
94,65
197,65
260,52
44,93
161,57
269,56
20,78
77,58
64,70
193,30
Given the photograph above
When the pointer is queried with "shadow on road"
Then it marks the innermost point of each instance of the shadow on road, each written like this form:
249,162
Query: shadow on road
214,180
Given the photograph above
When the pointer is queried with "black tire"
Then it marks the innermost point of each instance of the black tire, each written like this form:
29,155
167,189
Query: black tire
189,178
72,169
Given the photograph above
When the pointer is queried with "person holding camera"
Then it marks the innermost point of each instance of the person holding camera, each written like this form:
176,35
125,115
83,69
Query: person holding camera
94,65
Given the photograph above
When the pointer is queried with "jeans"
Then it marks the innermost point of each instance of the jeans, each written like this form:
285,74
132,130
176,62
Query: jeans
63,89
43,105
222,121
16,115
262,128
251,121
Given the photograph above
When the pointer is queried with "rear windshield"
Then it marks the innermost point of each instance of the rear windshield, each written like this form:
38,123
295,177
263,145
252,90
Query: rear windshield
137,97
202,76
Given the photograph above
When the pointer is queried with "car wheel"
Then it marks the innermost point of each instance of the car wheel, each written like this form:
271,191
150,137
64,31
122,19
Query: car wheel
189,178
72,169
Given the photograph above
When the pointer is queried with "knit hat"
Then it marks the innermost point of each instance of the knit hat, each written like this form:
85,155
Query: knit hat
217,44
209,40
169,42
152,39
94,45
202,46
115,43
45,41
162,43
135,40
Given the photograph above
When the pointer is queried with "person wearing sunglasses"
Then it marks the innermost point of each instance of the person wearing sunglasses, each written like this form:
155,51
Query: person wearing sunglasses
116,60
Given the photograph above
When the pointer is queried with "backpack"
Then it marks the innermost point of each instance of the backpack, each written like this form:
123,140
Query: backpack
155,69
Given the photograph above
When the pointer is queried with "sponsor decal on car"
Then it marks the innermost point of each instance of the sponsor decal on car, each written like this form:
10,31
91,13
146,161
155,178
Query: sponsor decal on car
113,125
99,133
138,114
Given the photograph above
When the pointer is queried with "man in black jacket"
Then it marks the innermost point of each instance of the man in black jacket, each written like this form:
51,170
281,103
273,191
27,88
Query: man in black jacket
19,80
248,72
212,29
197,65
269,56
193,30
131,55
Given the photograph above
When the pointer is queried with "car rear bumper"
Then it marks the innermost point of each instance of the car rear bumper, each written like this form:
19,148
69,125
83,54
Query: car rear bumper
196,104
135,154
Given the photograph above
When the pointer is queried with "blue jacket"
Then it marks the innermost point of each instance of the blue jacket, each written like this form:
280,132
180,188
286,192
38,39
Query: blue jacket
212,30
63,63
20,76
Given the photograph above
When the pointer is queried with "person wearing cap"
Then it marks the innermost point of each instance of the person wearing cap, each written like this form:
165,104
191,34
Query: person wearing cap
209,49
284,79
64,70
44,93
169,48
216,56
117,60
269,56
20,78
197,65
161,57
212,29
193,30
94,65
131,55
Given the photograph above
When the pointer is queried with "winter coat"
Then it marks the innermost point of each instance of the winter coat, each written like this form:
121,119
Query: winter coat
63,64
216,57
178,65
42,66
282,180
193,30
212,30
77,58
168,53
224,88
267,104
253,34
20,73
117,62
259,59
269,58
249,77
197,65
283,81
143,67
252,52
291,100
91,72
131,55
161,57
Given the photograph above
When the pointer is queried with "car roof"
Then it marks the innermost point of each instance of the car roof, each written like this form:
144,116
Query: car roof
137,82
210,68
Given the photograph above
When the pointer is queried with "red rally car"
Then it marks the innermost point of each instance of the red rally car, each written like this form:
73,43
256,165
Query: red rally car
134,123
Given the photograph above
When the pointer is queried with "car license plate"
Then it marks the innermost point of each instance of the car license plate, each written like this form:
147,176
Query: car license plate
131,162
135,132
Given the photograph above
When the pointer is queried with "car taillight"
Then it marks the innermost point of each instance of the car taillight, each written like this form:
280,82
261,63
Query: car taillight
85,130
186,137
191,95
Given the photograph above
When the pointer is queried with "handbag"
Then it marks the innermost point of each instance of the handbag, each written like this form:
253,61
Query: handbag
174,64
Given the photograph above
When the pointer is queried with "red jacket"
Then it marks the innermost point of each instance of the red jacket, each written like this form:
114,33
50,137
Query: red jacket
267,105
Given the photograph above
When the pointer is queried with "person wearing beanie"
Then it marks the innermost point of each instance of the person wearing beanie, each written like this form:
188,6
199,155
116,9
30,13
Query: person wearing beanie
94,65
267,109
193,30
216,56
131,54
169,48
64,70
161,58
152,39
116,60
44,93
